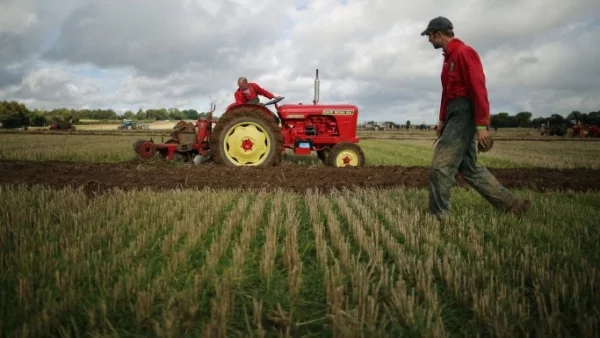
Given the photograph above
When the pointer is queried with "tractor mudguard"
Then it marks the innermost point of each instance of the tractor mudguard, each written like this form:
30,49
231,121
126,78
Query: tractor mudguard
248,106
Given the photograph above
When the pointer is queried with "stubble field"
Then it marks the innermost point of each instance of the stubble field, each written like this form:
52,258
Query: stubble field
96,243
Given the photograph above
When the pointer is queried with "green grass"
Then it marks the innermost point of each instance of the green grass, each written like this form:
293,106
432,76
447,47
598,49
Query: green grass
118,148
505,154
77,148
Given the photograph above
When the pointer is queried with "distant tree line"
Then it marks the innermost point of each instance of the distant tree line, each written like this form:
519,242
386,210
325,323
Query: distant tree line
14,114
523,119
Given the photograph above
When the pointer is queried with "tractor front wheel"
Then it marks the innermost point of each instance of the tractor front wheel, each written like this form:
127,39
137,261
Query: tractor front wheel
246,137
346,154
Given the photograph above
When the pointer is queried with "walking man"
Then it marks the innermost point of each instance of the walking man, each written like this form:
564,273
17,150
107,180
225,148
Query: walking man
464,113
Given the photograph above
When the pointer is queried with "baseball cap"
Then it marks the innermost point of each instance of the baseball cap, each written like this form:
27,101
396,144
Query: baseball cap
438,24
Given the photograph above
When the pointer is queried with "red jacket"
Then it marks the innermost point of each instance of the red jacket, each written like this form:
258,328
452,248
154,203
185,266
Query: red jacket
462,75
255,90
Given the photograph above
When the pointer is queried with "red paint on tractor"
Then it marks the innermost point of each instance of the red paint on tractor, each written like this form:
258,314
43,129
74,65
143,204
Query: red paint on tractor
147,150
247,144
321,125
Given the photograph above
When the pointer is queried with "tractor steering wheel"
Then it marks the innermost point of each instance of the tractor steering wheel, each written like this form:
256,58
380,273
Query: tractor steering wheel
273,101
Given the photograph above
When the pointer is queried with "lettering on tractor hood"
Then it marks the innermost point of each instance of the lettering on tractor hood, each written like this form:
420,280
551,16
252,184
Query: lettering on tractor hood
338,112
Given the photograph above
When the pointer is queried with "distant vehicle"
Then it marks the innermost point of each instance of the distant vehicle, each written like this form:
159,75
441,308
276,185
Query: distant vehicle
129,124
554,130
62,126
371,126
585,131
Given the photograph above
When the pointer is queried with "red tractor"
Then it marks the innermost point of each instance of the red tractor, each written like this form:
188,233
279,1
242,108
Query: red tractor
249,135
62,126
580,131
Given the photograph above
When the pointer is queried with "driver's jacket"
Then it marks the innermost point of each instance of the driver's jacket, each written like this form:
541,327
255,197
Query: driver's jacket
251,94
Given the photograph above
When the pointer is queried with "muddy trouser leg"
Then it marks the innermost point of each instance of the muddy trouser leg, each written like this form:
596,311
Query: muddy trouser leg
448,155
484,182
456,151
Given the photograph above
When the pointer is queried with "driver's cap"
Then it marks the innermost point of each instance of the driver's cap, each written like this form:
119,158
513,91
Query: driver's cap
438,24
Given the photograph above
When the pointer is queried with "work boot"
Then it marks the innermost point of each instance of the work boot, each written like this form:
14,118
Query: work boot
519,208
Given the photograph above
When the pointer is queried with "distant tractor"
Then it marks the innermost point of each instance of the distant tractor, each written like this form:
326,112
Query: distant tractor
577,131
373,126
62,126
250,135
554,130
580,131
130,125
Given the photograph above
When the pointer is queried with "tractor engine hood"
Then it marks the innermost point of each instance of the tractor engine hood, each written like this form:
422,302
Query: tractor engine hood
300,111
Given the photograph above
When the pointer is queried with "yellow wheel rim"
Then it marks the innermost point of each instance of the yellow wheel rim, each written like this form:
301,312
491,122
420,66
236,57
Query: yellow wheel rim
246,143
346,158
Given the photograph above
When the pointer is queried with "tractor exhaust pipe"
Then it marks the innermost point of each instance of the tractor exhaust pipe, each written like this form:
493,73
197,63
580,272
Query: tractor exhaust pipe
316,98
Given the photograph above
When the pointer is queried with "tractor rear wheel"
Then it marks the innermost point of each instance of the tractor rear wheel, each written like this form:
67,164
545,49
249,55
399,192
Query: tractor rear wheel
346,154
246,137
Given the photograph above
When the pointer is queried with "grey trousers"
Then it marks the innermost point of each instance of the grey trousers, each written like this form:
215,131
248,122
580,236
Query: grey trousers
456,150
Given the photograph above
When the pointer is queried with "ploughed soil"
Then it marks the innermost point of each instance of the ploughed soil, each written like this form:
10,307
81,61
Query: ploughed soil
98,177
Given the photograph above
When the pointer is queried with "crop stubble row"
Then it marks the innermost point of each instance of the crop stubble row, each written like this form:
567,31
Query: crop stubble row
249,261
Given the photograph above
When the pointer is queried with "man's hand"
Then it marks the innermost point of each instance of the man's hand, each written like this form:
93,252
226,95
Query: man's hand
483,137
440,128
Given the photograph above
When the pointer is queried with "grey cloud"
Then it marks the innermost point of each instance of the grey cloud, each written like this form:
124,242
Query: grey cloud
9,77
540,58
538,55
20,31
24,26
527,60
12,47
165,37
52,88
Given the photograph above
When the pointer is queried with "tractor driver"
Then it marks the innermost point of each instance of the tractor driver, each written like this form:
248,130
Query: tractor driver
248,92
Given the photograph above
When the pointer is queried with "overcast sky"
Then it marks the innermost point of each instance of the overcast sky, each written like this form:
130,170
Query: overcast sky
538,55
